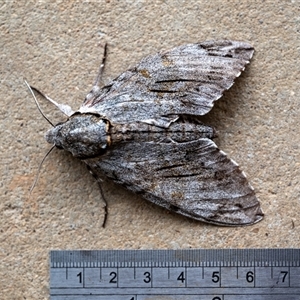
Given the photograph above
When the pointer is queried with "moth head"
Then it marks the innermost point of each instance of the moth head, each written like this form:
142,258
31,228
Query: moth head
84,135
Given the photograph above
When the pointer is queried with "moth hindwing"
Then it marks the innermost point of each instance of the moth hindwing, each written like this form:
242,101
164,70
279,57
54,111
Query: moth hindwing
141,132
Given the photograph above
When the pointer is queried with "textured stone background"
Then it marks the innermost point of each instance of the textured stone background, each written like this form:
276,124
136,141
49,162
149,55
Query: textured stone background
57,47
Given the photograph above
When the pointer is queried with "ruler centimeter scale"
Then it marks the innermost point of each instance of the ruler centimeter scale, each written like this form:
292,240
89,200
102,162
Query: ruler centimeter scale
191,274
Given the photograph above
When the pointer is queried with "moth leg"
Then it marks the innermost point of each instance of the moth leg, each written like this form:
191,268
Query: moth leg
105,204
100,72
96,89
102,195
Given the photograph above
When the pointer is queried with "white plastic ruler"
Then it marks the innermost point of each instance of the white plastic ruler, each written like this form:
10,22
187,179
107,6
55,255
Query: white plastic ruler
193,274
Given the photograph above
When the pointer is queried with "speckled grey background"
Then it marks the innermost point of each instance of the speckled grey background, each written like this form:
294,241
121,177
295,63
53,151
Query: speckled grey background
57,47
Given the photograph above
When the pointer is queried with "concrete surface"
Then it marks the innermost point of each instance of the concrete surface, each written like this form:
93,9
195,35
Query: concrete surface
57,47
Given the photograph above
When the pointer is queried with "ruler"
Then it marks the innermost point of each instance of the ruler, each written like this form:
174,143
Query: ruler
192,274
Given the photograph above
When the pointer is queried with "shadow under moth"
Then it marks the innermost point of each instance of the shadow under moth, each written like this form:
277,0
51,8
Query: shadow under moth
141,131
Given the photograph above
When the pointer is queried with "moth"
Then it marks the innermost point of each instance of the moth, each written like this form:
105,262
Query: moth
141,131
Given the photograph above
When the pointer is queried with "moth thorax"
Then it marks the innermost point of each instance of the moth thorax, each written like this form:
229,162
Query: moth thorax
84,135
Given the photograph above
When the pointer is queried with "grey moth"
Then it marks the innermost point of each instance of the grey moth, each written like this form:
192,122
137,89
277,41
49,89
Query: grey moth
141,131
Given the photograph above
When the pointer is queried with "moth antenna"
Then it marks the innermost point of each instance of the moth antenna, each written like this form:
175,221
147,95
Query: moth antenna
100,72
65,109
37,103
39,169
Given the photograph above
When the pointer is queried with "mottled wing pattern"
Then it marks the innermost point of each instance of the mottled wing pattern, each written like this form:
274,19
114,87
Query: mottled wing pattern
185,80
194,179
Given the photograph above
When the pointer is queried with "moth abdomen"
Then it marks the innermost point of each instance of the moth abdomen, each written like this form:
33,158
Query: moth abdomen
178,131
